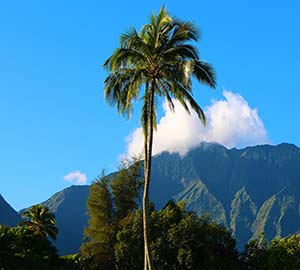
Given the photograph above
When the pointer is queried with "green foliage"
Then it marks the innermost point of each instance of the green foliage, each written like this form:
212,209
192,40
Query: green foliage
21,248
71,262
40,220
109,204
255,255
98,245
125,187
285,253
279,254
161,56
179,240
129,243
224,173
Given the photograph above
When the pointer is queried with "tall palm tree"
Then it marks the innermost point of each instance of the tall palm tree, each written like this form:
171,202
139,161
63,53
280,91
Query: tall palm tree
40,220
160,61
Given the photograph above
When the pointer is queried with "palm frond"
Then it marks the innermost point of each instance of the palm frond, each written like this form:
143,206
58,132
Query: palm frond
183,95
184,51
40,220
145,115
165,88
204,73
162,53
122,87
125,57
128,38
185,31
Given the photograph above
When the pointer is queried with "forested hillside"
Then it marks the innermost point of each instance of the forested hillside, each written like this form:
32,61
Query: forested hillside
251,190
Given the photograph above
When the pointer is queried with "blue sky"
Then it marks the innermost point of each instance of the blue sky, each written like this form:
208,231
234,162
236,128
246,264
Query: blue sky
53,116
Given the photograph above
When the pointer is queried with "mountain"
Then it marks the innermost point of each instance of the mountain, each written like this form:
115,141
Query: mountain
250,190
8,216
69,207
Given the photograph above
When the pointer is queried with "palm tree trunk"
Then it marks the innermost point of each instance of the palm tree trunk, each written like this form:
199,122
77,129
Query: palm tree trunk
145,204
147,173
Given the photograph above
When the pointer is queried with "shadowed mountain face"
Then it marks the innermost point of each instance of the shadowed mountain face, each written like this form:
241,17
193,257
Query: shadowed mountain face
252,190
8,216
69,207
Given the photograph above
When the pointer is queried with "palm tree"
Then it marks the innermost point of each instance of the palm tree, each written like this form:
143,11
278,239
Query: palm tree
158,61
40,220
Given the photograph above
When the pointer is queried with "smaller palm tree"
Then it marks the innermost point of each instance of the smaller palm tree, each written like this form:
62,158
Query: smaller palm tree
40,220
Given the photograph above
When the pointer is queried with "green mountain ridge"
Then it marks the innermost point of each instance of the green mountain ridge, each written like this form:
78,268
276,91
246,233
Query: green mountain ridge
278,216
252,191
199,200
242,215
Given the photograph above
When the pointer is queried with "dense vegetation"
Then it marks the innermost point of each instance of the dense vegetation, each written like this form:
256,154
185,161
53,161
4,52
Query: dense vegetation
279,254
246,203
27,246
249,190
108,205
40,221
179,239
21,248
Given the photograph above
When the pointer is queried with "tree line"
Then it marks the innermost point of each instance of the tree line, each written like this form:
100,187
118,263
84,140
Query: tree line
113,240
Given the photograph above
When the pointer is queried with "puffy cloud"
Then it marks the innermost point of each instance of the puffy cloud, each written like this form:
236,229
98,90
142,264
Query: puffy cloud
76,177
231,122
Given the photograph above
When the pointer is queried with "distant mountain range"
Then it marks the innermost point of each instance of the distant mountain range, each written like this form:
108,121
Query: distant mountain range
251,190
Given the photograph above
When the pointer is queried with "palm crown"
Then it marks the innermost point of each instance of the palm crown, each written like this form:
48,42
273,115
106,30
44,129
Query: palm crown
39,219
159,58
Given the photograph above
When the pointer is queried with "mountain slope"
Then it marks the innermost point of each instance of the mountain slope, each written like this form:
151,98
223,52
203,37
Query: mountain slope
199,200
251,190
258,187
242,215
8,216
278,216
69,207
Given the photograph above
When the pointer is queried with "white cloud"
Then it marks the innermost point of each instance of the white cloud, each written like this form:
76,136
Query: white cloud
76,177
231,122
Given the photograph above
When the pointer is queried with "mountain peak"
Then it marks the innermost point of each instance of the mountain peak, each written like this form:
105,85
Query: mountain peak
8,216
